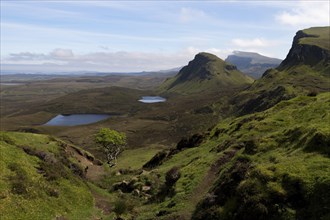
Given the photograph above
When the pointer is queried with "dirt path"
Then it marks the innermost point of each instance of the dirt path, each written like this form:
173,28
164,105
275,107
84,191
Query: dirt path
212,174
93,173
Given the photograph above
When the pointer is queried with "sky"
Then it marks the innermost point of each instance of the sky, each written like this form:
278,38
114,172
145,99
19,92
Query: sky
131,36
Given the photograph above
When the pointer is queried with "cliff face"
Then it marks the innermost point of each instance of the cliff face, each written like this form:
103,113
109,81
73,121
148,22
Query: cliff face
306,52
306,69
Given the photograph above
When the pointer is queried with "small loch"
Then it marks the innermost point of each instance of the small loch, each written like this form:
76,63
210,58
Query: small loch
76,119
152,99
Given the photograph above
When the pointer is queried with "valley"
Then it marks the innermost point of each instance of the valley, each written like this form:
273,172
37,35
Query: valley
208,142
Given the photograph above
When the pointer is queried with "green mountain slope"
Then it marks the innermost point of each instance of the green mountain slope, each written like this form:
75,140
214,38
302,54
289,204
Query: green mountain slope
269,165
283,171
39,180
206,72
305,70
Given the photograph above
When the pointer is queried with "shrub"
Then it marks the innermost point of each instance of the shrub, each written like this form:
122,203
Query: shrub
312,93
122,206
20,181
6,138
172,176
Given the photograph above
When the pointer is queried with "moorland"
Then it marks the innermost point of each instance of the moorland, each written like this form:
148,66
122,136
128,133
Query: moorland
222,146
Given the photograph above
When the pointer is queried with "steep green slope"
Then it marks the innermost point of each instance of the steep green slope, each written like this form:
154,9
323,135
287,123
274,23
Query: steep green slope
206,72
305,70
269,165
283,171
39,180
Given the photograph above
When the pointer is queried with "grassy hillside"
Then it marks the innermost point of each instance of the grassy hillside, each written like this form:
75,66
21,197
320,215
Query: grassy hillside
205,73
40,181
269,165
318,36
304,71
283,168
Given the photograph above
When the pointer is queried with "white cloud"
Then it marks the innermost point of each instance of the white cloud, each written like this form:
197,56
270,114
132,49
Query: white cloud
62,53
60,60
256,42
306,13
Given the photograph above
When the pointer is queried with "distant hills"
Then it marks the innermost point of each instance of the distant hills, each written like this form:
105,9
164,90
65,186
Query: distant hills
266,155
252,64
206,72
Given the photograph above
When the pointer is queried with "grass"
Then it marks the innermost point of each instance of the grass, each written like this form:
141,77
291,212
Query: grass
287,167
279,161
135,158
27,194
205,73
320,37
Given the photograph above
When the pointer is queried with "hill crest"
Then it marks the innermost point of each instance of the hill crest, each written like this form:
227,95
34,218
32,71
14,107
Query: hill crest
205,72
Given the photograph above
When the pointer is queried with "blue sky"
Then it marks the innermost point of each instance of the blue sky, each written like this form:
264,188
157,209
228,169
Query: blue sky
113,36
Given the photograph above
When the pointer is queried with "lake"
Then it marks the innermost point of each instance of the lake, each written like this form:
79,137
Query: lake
76,119
152,99
11,84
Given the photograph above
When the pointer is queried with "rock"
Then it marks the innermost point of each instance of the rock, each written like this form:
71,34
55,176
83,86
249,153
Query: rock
136,192
190,142
146,188
172,176
123,186
156,160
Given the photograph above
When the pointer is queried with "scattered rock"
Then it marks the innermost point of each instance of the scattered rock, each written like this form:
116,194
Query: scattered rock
156,160
146,188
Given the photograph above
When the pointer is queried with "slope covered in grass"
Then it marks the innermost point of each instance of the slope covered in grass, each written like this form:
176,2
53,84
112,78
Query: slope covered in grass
268,165
206,72
305,70
283,171
39,180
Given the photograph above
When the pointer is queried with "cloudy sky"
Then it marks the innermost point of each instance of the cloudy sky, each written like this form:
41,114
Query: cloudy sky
112,36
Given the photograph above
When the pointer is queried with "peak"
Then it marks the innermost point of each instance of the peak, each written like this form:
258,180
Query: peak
208,56
310,47
244,53
317,36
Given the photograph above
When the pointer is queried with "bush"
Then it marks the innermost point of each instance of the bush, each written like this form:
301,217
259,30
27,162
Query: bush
6,138
122,206
20,181
312,93
172,176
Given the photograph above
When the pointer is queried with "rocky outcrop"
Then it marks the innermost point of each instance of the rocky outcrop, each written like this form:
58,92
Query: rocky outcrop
206,72
308,54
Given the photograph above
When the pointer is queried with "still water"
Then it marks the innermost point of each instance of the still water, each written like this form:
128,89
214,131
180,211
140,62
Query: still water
152,99
76,119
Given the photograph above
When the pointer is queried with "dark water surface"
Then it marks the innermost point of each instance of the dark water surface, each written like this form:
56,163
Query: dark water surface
76,119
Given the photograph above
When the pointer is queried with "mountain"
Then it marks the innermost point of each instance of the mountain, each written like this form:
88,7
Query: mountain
206,72
310,47
269,161
252,64
305,70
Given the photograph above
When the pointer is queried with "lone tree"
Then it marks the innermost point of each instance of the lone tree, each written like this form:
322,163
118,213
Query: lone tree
112,142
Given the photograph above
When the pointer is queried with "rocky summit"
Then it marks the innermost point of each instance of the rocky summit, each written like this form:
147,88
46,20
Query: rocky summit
206,72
